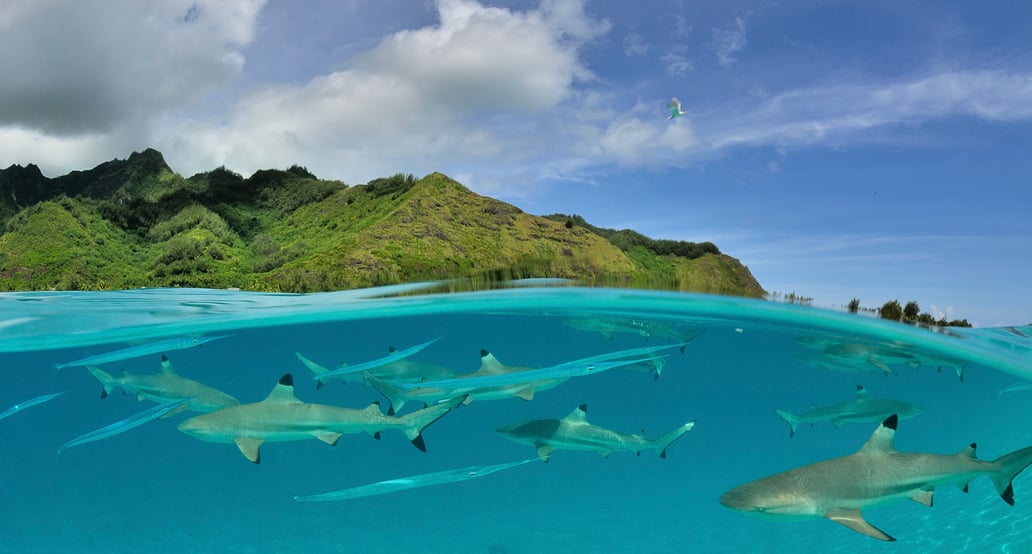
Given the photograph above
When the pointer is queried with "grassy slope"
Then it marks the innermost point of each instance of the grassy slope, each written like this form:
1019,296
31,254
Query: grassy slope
136,223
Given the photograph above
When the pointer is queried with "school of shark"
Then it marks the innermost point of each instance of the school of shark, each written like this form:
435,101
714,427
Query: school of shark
836,489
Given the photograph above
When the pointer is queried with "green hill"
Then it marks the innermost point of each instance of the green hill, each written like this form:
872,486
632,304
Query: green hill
135,222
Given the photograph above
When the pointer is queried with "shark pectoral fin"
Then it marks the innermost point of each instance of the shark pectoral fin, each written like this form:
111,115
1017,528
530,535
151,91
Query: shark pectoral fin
525,394
881,365
328,437
605,453
419,443
249,448
467,400
376,435
855,521
140,397
923,497
544,451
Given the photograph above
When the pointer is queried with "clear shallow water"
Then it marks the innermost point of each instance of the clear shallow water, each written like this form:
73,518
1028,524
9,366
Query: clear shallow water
155,489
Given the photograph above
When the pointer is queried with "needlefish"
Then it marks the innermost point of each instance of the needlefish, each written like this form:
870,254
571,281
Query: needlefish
390,358
565,370
413,482
126,424
157,347
29,403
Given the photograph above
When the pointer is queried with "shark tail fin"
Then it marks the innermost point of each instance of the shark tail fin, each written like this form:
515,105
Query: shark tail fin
1010,466
393,393
105,378
791,419
663,442
315,368
415,422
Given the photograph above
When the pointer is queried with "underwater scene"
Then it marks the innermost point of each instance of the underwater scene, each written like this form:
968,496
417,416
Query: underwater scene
531,419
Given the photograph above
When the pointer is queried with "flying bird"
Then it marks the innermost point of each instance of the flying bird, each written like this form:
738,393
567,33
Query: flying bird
675,108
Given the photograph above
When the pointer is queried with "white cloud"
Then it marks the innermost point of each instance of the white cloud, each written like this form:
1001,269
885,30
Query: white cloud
837,112
676,63
481,87
728,41
77,68
635,45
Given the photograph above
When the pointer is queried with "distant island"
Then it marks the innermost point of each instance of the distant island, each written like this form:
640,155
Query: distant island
136,223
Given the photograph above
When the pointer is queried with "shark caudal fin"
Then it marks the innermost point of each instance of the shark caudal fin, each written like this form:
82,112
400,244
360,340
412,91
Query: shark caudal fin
1010,466
105,378
393,393
415,422
315,368
663,442
791,419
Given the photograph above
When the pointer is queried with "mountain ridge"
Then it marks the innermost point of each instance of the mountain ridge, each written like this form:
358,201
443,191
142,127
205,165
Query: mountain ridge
136,223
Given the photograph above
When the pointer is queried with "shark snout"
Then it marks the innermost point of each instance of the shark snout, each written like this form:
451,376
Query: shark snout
738,499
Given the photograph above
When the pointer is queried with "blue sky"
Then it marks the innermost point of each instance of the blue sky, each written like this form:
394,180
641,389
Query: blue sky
881,150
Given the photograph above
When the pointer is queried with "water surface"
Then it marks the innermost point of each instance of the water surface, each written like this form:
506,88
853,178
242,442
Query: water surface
155,489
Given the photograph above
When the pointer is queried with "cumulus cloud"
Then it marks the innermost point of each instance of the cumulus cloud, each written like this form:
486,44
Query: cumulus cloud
482,84
78,68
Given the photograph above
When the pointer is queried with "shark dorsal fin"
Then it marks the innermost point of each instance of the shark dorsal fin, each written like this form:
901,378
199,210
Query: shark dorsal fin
578,415
166,366
391,349
125,373
882,440
283,392
969,451
373,408
861,392
490,364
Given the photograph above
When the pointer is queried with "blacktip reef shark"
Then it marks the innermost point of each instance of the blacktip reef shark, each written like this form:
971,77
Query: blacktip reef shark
282,417
124,425
573,432
358,369
566,370
397,371
164,386
399,394
413,482
648,329
494,380
137,351
29,403
862,408
838,489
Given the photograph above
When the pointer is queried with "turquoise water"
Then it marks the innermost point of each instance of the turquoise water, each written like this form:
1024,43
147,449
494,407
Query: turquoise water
156,489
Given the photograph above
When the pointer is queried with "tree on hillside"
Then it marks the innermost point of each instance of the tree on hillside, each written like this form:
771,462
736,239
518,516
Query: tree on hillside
891,310
911,311
854,305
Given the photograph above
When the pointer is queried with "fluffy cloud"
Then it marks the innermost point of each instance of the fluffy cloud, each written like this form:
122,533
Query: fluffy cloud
78,68
479,86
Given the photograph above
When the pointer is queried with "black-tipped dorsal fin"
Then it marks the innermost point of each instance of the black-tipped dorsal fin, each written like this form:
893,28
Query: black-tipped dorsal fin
578,415
166,366
490,364
883,438
391,349
969,451
861,392
283,392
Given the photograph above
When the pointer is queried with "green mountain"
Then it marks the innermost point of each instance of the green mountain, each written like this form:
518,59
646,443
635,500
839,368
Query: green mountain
135,222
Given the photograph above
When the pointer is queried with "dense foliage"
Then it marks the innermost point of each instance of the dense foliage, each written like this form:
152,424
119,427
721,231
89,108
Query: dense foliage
135,222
